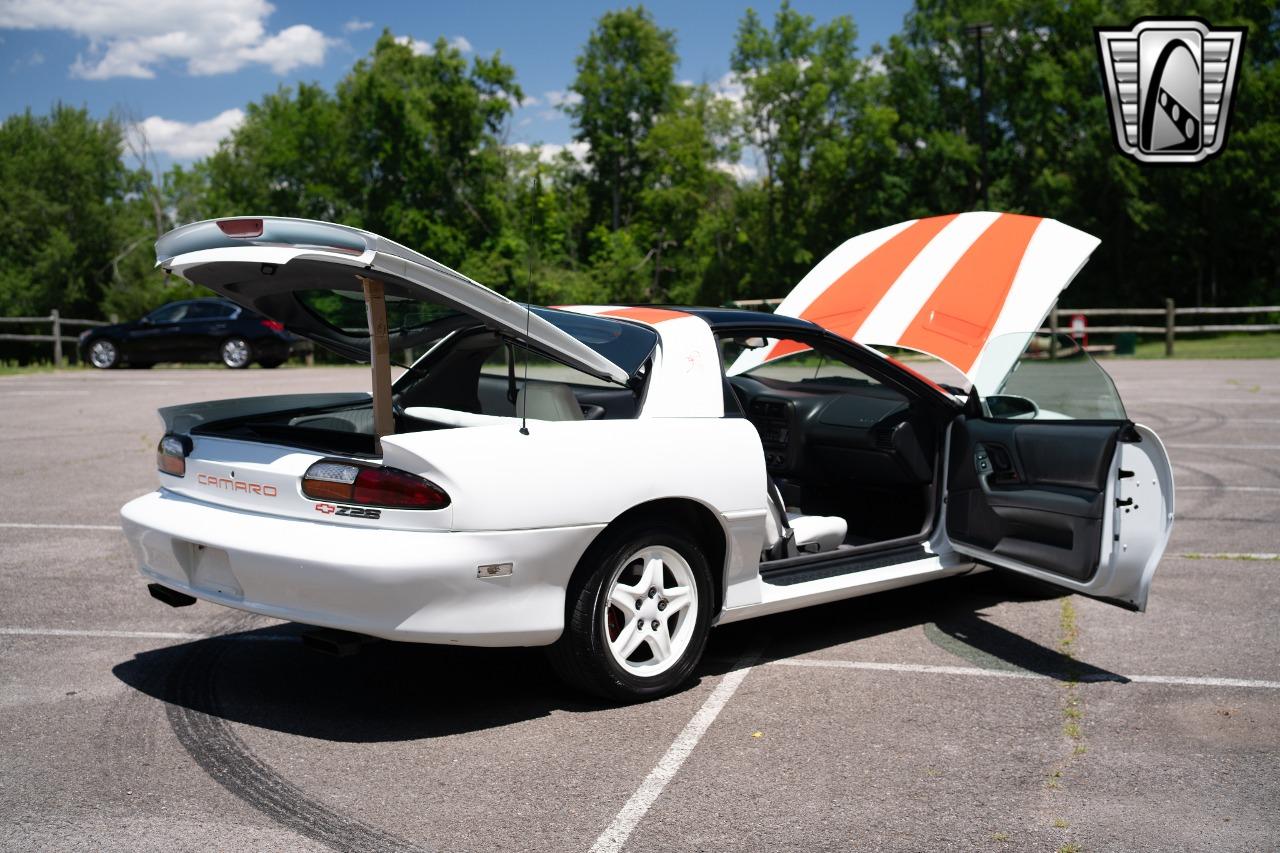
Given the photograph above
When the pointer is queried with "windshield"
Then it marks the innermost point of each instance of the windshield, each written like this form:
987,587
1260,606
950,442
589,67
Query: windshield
1052,378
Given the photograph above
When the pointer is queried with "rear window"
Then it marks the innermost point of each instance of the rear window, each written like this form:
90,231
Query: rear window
344,311
627,345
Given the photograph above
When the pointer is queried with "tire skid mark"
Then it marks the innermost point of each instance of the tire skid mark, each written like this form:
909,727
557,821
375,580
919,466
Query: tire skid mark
214,745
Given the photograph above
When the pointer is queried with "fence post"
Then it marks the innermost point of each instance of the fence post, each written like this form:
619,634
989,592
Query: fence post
1168,328
57,337
1053,330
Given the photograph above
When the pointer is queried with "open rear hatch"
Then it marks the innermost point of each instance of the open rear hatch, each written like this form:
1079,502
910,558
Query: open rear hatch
307,275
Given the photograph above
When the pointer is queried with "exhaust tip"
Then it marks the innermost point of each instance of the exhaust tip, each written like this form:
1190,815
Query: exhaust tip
171,597
340,644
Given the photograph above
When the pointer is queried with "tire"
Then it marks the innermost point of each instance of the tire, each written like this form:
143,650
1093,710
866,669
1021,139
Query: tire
236,353
104,354
270,363
617,573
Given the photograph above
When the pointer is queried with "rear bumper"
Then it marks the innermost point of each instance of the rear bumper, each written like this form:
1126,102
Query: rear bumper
400,585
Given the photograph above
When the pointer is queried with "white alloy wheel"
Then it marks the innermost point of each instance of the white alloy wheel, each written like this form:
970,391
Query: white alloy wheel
651,613
103,354
236,353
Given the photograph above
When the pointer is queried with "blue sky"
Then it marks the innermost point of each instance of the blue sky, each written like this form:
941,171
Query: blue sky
187,68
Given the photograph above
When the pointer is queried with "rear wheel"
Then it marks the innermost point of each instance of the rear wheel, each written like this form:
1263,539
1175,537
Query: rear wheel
104,354
236,353
639,613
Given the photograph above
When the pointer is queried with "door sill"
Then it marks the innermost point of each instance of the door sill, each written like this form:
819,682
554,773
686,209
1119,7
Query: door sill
836,563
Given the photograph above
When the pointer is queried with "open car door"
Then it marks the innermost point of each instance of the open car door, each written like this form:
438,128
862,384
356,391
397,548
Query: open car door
1048,477
1051,479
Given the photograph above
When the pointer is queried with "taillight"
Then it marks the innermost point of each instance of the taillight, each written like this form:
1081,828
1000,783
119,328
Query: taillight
171,455
273,325
329,480
241,227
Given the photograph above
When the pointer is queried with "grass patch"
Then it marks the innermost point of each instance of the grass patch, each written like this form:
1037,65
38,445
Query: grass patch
1237,345
9,368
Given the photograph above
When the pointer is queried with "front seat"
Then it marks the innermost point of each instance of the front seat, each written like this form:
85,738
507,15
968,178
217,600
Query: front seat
548,401
790,534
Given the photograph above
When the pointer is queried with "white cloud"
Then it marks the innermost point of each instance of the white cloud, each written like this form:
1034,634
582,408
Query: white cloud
559,99
729,88
130,38
355,25
188,140
31,60
740,172
549,152
426,48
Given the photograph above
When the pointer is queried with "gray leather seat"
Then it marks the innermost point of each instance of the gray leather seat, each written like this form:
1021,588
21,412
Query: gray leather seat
548,401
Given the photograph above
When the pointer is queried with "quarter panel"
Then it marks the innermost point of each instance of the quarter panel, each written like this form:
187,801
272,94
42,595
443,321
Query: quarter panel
585,472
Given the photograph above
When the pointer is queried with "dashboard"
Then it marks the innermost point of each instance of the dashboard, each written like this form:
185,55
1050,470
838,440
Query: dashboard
836,428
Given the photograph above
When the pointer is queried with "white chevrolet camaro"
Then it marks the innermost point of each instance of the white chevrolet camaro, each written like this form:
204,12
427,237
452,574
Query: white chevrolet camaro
611,482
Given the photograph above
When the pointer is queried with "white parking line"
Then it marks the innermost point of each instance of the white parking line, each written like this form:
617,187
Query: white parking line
129,635
34,526
1229,556
1264,489
617,833
134,635
1224,446
999,673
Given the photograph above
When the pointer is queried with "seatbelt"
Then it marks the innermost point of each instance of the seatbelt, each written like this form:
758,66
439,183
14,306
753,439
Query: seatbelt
785,546
512,396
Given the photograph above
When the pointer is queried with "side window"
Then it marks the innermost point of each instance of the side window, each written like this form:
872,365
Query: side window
539,368
208,311
789,361
1052,379
169,313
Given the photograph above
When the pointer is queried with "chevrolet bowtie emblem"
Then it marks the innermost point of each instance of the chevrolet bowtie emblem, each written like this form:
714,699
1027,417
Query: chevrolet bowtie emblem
1169,86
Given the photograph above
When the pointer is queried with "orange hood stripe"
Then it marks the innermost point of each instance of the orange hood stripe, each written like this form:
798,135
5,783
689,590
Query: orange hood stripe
958,317
845,303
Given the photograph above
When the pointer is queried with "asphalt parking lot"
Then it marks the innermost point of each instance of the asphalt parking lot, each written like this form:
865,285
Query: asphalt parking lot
960,715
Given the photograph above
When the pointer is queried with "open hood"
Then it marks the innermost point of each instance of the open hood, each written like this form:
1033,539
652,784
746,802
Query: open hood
954,287
306,275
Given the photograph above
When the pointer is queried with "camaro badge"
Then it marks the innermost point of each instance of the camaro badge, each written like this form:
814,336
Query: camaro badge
1169,85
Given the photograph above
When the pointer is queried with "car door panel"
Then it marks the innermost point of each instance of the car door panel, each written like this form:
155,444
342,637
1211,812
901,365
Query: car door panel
1031,491
1056,500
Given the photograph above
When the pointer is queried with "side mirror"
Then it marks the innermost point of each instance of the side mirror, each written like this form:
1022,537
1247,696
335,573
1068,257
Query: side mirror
1011,406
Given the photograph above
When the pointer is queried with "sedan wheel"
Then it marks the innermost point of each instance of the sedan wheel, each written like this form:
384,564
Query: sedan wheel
103,354
236,353
651,611
639,613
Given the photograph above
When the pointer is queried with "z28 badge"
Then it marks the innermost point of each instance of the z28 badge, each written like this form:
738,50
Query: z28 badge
349,511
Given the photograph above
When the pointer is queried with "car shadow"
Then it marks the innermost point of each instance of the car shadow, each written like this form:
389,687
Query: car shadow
388,691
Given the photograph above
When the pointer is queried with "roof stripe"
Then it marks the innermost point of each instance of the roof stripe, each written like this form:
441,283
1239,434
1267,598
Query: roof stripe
644,314
957,318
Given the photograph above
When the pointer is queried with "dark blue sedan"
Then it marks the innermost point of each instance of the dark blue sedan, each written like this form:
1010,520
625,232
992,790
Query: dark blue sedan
190,330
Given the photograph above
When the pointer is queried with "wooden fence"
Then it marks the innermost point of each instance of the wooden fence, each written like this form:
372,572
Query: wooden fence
1169,313
56,321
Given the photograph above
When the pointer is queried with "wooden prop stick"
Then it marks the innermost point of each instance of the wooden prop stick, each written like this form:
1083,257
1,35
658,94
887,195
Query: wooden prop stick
379,357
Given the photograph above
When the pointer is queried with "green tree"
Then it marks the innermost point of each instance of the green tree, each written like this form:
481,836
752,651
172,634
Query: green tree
63,209
626,77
